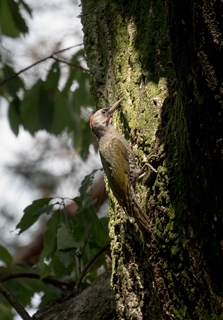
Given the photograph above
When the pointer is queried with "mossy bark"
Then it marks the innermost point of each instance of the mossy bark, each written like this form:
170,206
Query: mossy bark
164,59
95,302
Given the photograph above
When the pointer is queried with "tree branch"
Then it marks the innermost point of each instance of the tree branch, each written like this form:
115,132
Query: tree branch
40,61
15,303
88,265
53,282
70,64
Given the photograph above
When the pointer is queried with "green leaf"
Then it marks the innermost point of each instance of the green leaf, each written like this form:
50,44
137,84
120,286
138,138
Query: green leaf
82,93
67,258
6,311
100,234
18,19
86,139
52,77
7,22
80,129
79,231
65,240
45,270
50,239
81,97
87,216
13,115
46,107
58,266
30,108
14,85
21,293
5,256
33,212
50,294
92,272
62,117
85,189
48,92
34,285
38,107
26,7
63,263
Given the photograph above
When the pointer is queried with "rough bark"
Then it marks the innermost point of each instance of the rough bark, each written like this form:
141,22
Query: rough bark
124,55
172,107
96,302
165,57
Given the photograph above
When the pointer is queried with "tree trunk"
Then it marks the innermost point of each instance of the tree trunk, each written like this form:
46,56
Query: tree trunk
165,59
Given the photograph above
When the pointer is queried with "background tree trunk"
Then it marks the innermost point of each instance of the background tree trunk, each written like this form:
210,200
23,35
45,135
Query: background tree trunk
166,59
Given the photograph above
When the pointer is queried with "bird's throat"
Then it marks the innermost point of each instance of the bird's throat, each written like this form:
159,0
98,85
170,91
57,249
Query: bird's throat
108,119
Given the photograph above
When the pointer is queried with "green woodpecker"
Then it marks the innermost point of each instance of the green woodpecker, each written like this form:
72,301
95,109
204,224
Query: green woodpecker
119,163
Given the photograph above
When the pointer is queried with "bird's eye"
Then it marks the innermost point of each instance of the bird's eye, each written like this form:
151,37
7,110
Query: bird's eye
103,111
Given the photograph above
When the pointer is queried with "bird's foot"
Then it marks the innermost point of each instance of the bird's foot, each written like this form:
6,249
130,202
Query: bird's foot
147,165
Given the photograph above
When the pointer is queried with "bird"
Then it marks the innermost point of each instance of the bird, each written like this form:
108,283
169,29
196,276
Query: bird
119,164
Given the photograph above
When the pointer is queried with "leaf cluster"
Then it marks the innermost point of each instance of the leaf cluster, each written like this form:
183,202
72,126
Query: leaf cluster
44,106
69,243
12,23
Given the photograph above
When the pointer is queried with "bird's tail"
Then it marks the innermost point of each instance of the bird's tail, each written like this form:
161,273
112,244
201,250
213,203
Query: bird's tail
133,210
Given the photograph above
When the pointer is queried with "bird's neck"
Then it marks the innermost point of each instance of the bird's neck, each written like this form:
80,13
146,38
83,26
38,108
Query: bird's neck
105,132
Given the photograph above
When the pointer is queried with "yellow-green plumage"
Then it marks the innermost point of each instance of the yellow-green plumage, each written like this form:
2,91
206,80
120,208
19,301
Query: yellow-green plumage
118,162
114,159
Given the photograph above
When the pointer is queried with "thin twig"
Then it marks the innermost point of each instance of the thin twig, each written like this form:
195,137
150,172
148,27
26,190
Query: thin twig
88,265
70,64
51,56
15,303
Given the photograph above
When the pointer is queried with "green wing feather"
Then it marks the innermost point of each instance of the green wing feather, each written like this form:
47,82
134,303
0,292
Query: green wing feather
116,166
115,161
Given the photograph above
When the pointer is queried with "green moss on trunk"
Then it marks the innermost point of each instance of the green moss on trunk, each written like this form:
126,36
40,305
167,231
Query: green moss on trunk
166,111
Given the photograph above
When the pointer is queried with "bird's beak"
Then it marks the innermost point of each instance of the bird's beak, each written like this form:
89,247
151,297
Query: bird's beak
112,109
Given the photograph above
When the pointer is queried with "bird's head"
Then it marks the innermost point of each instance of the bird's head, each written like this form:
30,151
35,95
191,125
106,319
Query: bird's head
101,119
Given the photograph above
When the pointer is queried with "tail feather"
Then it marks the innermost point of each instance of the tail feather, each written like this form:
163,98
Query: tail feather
133,210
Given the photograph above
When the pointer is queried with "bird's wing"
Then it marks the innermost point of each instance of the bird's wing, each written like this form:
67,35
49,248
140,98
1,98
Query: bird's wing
116,166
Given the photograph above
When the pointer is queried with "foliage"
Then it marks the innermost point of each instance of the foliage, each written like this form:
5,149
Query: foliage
44,106
69,241
11,21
